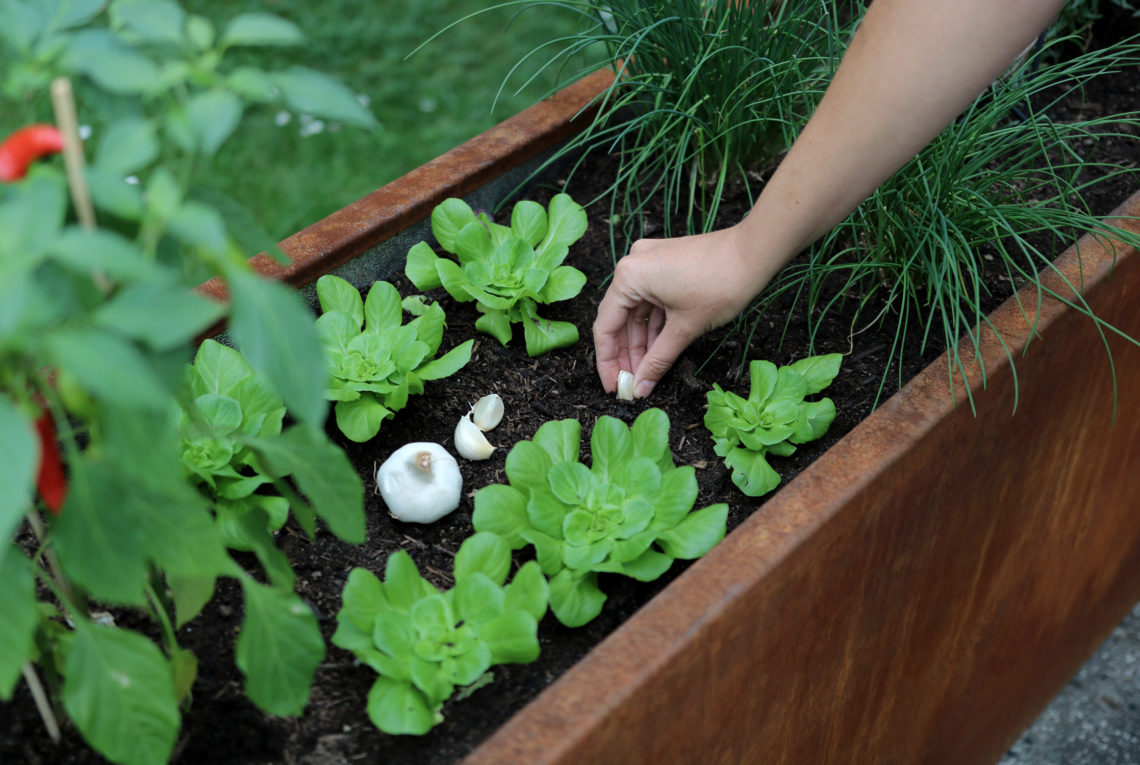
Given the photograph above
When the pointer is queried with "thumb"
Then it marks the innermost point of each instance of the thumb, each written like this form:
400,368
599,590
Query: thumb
659,359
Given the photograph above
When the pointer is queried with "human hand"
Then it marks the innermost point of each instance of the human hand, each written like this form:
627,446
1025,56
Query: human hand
665,293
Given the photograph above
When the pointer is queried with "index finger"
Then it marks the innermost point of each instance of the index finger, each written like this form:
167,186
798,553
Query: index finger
610,338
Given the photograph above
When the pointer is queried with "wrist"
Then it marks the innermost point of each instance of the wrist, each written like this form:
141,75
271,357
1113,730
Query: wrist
759,257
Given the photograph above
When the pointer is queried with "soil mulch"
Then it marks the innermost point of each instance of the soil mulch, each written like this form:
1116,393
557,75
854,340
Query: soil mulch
224,727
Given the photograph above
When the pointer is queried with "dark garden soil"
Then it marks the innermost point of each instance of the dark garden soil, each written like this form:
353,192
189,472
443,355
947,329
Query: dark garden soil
224,727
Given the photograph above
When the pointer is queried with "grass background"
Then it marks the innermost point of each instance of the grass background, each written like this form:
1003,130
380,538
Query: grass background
425,105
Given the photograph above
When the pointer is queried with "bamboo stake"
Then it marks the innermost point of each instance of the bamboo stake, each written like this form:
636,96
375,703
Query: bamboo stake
63,102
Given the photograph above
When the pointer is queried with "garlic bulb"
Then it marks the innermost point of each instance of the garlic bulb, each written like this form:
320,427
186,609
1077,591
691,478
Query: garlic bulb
470,441
420,482
625,386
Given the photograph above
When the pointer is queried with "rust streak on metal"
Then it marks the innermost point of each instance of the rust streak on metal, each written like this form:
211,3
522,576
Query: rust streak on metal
352,230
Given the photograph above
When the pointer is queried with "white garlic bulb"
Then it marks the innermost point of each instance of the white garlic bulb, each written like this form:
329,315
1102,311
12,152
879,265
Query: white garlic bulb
625,385
420,482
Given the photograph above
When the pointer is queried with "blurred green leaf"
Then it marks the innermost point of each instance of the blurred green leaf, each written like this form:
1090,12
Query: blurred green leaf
200,225
214,115
127,146
161,316
252,83
32,215
19,615
324,474
260,29
274,328
19,453
119,690
113,66
278,649
108,366
155,21
98,537
112,193
311,92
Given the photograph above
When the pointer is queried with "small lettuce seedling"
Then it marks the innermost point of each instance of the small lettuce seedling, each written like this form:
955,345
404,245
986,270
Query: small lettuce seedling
508,270
231,404
376,361
249,467
629,513
772,420
426,643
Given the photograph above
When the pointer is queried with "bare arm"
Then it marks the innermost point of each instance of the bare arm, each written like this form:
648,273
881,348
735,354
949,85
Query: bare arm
913,66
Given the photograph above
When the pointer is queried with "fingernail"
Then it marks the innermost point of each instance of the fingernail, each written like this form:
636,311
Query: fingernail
644,388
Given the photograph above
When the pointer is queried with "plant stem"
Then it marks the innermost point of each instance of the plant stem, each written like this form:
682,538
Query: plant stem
41,699
67,593
163,618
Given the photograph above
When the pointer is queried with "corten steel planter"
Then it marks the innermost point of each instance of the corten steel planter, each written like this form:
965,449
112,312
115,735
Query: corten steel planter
917,595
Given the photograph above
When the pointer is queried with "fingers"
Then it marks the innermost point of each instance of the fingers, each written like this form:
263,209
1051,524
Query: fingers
637,335
621,328
659,358
611,341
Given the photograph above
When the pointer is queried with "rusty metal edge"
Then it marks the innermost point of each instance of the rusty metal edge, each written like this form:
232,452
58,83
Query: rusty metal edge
573,717
352,230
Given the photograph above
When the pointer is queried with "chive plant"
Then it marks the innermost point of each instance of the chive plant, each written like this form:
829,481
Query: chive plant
992,195
1079,16
704,92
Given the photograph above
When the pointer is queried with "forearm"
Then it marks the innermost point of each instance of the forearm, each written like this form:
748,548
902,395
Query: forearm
912,66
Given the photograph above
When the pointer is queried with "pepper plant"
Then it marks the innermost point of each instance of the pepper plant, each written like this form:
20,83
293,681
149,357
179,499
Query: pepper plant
375,360
630,512
773,419
508,270
98,318
425,643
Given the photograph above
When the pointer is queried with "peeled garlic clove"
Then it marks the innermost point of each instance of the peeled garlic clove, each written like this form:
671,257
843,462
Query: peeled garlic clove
488,412
420,482
470,441
625,386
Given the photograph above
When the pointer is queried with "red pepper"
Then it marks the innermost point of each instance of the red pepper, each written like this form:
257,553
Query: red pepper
50,481
25,146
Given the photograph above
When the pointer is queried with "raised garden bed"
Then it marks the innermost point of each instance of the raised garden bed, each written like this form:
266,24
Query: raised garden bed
917,593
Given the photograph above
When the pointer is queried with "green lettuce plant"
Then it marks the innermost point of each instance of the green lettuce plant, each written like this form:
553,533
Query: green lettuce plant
630,512
772,420
98,319
508,270
425,643
249,467
375,360
231,404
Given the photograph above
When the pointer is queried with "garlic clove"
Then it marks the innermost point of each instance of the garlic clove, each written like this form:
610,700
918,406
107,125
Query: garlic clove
470,441
420,482
625,386
488,412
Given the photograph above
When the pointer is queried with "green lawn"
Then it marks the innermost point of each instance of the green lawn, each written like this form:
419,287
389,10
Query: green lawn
425,105
290,173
